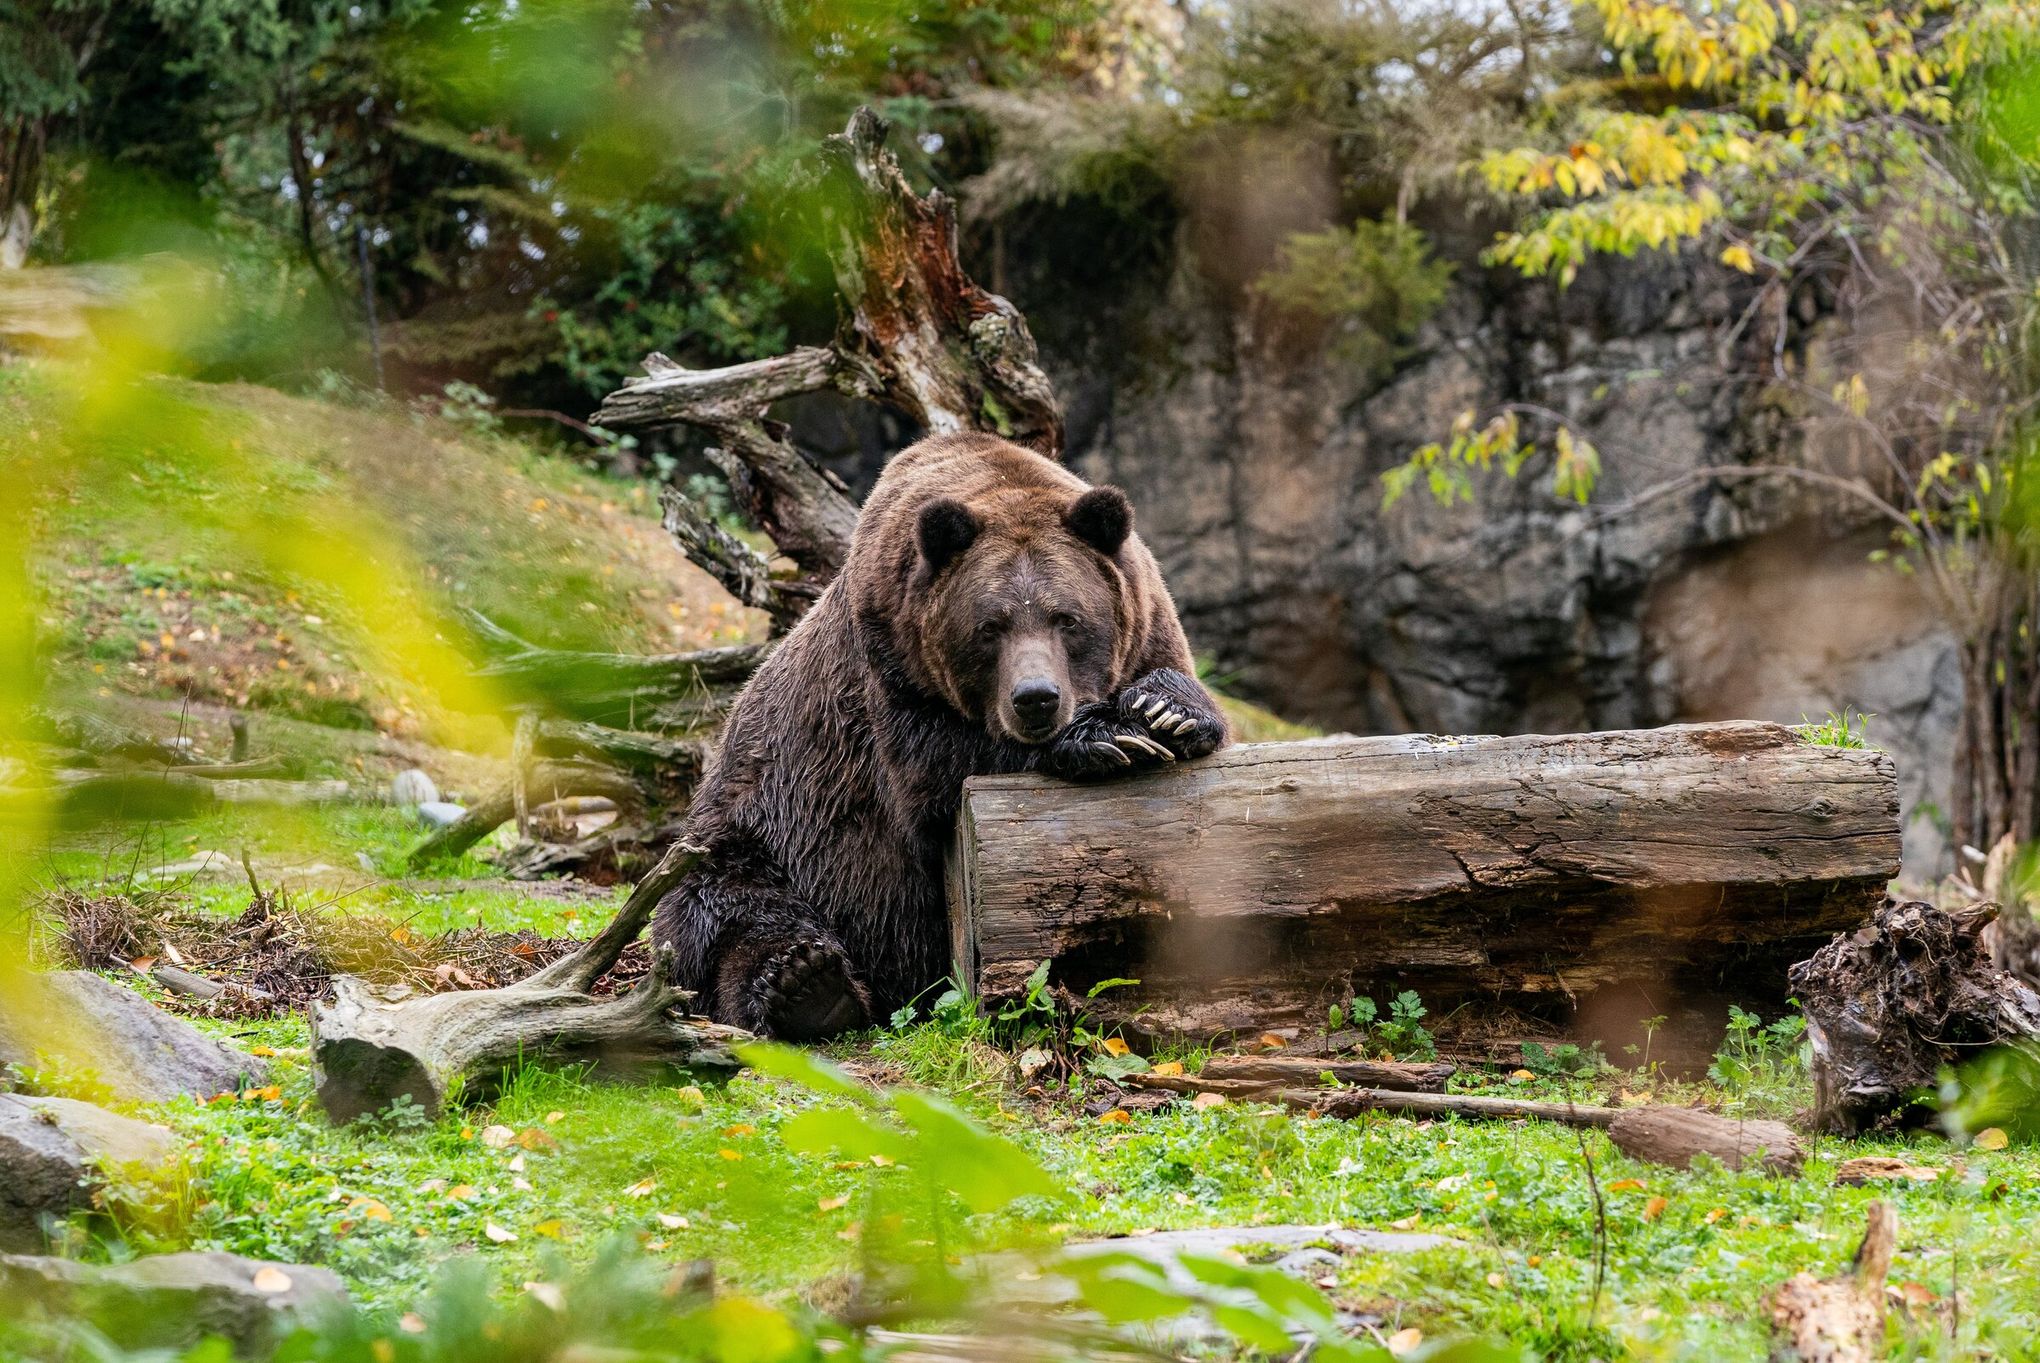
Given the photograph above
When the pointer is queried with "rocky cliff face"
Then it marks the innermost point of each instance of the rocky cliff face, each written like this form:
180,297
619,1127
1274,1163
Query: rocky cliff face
1669,598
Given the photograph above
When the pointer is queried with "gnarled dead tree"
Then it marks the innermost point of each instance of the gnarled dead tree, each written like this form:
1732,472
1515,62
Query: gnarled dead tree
372,1046
918,335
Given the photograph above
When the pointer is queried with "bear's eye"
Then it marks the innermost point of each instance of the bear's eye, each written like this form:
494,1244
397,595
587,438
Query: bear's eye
991,629
1063,621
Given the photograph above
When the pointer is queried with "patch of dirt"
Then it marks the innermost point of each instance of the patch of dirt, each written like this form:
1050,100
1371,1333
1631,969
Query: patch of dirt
290,954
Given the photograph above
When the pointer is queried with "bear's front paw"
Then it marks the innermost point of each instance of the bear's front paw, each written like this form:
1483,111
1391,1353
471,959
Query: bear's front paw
1175,711
807,992
1101,741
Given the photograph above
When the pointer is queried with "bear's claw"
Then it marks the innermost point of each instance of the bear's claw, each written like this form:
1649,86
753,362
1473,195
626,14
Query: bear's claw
807,992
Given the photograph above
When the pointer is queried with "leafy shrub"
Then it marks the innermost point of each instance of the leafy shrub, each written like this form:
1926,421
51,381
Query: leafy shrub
1400,1035
1372,285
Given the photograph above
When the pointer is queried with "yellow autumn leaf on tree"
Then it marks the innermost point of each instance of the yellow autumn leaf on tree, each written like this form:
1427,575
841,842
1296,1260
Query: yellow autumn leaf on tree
1738,256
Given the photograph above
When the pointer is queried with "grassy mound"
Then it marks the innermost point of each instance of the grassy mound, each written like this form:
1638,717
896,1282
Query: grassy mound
148,591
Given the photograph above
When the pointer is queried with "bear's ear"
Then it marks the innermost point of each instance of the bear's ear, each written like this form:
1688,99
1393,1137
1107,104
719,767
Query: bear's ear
1101,518
947,529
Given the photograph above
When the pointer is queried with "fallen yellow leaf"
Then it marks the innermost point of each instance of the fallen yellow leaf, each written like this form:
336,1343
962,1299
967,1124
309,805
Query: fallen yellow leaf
692,1096
1655,1208
1534,1260
369,1208
551,1229
262,1050
1405,1340
497,1137
411,1323
740,1129
1115,1046
1408,1222
851,1231
1117,1114
497,1234
882,1161
1992,1138
1208,1100
1167,1067
554,1116
1521,1076
1496,1280
672,1221
1273,1042
830,1204
531,1138
1716,1215
1626,1185
642,1188
730,1154
460,1192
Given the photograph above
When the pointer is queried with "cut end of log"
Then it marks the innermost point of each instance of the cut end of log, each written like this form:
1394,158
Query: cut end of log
1839,1319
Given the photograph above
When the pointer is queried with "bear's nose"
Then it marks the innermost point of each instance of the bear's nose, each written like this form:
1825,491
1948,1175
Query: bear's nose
1035,699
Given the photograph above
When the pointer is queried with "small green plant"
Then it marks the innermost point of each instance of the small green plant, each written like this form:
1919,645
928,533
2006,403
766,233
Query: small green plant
1400,1035
1845,730
1566,1060
1758,1058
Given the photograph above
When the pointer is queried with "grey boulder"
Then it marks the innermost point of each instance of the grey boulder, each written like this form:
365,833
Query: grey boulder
174,1300
137,1050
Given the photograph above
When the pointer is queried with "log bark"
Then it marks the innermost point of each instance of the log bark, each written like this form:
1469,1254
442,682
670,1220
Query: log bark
1674,1135
1891,1004
1257,887
1839,1319
372,1046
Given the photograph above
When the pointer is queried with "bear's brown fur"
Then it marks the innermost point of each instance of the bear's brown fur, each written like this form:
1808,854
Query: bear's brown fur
995,614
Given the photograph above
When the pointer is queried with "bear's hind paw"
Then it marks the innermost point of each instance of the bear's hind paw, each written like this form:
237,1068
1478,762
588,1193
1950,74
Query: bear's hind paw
807,992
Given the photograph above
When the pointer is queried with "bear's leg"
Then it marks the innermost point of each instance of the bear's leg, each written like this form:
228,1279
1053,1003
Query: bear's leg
1162,716
766,960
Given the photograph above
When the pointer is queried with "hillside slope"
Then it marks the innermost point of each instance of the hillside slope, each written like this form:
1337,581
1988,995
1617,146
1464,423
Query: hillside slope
146,592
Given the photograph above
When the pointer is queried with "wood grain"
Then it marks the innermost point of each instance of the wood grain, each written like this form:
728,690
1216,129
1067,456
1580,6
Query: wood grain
1260,885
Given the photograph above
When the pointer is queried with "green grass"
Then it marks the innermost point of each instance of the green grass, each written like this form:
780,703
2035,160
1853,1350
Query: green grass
388,1203
385,1203
1845,730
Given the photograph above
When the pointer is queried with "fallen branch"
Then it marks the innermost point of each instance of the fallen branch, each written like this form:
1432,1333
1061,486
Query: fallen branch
550,780
1381,1074
372,1046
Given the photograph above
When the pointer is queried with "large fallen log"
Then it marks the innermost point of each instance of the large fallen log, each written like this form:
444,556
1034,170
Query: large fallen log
1598,878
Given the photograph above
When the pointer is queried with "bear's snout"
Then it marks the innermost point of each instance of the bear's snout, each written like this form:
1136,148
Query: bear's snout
1037,704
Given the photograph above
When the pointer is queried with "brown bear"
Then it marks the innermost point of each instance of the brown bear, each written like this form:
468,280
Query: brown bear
995,614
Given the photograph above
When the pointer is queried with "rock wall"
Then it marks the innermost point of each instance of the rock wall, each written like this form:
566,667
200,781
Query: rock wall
1256,476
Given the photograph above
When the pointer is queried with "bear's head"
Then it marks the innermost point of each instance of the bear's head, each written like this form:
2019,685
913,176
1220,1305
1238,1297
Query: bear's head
1028,608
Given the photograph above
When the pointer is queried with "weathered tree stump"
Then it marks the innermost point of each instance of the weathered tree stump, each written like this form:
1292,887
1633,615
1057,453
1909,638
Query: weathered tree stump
1888,1005
1256,887
372,1046
1839,1319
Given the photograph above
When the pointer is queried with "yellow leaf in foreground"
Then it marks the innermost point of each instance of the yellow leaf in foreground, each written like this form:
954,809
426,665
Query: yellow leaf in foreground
497,1234
642,1188
271,1279
1405,1340
1992,1138
1115,1046
1117,1114
1168,1067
